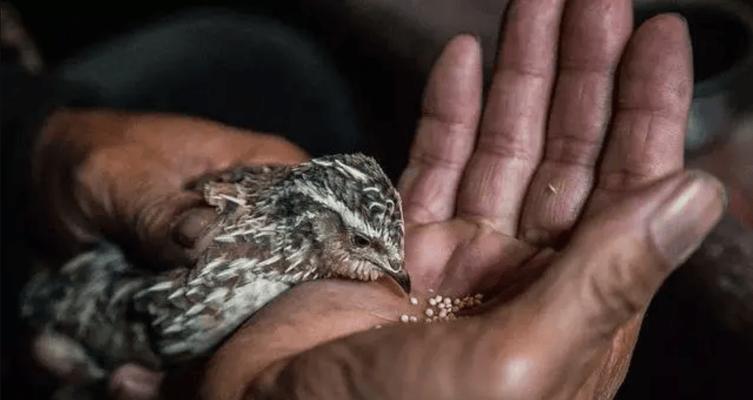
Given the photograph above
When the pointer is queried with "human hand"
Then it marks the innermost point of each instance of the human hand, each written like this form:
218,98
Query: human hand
122,176
572,153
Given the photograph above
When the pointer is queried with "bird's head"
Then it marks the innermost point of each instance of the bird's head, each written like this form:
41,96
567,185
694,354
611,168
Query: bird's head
355,216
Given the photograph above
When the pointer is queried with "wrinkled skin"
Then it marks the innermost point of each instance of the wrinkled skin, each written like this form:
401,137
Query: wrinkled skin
125,176
578,147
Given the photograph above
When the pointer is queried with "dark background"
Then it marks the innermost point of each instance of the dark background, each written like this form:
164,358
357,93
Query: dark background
688,349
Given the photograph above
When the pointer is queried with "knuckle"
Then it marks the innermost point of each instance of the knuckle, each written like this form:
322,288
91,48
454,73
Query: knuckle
92,182
436,160
526,71
571,150
151,219
624,179
506,149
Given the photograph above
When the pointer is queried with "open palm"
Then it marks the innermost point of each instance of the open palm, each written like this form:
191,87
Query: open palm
564,133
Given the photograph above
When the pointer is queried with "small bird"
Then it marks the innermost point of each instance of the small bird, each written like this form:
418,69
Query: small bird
336,216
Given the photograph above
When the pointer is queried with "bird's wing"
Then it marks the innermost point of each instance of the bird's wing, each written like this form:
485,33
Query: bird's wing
88,301
194,310
192,313
238,186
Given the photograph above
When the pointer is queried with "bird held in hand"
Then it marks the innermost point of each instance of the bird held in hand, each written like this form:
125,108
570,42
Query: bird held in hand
277,226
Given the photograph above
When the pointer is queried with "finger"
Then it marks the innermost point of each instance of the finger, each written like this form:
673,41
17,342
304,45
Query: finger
134,204
132,382
175,218
594,34
446,133
653,98
512,128
619,258
144,206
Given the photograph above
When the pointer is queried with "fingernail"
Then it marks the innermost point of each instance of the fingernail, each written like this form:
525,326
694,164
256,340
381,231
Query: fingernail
191,225
680,224
680,16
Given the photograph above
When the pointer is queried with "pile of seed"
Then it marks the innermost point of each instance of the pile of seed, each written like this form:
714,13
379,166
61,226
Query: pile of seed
442,308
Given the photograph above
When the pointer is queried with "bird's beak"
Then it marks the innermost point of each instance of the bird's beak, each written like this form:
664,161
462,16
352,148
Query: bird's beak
401,277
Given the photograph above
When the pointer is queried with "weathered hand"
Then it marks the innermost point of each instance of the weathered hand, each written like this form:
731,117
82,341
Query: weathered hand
580,148
123,176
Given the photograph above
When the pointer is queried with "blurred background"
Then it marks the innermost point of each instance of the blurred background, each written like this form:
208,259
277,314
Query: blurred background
364,66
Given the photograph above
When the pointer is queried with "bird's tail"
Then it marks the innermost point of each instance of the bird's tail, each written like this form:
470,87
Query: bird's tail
89,303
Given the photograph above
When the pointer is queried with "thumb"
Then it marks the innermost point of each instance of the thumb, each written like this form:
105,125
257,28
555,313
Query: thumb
137,205
618,260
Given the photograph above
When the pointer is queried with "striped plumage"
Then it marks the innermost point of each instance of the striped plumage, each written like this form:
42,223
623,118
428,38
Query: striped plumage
334,216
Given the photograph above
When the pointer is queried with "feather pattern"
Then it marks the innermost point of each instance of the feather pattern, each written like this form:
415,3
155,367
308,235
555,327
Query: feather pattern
276,226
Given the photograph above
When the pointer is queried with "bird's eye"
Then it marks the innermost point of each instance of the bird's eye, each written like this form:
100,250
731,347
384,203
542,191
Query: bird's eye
360,240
